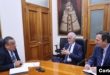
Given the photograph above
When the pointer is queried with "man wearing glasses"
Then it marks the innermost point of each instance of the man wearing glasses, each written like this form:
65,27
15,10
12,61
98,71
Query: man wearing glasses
9,57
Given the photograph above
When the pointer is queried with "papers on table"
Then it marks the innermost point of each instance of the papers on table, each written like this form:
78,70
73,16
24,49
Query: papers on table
18,70
89,71
24,68
32,64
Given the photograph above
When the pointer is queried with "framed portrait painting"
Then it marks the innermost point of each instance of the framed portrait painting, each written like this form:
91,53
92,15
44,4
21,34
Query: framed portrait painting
69,16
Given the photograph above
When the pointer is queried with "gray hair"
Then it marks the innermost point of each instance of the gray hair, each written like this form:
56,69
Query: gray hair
72,34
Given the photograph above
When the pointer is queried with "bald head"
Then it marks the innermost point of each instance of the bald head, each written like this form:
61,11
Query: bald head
71,37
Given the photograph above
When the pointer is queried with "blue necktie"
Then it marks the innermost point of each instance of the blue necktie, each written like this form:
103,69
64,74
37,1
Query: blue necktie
13,56
99,60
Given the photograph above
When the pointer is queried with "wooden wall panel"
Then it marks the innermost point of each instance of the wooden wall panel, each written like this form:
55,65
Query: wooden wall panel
45,26
33,25
85,18
34,53
108,20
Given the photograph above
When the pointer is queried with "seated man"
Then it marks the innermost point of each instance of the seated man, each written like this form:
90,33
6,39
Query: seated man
8,55
72,51
101,54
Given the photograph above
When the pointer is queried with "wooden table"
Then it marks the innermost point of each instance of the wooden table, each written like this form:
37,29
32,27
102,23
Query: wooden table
52,68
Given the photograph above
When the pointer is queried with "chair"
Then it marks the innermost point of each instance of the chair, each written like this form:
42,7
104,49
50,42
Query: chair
63,41
1,42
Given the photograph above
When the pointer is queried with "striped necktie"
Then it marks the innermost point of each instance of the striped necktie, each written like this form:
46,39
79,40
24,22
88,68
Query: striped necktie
13,57
99,60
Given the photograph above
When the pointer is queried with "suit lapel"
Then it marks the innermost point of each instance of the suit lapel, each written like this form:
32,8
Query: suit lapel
75,48
66,46
8,55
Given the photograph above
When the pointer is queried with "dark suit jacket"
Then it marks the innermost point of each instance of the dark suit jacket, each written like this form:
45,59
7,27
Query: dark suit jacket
5,59
77,53
96,58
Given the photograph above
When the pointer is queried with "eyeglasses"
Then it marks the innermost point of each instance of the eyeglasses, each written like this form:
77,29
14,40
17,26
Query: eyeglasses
11,43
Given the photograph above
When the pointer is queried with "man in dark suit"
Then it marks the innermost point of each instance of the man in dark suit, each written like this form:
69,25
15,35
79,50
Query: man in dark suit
101,54
8,55
72,51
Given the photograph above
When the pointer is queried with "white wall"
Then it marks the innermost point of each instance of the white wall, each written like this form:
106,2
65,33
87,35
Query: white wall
56,37
54,24
11,23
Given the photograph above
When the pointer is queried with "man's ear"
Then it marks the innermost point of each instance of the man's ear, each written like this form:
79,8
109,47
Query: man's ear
106,41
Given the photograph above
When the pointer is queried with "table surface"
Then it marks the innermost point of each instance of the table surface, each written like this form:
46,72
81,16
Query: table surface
52,68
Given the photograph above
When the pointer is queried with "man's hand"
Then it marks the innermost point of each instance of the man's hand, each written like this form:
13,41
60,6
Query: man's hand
87,67
65,52
62,51
17,63
94,69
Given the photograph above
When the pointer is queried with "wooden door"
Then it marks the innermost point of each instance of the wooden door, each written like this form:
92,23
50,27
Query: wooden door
33,32
37,32
46,32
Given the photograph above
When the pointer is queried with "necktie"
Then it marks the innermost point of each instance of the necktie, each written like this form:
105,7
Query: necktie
99,60
13,56
103,57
